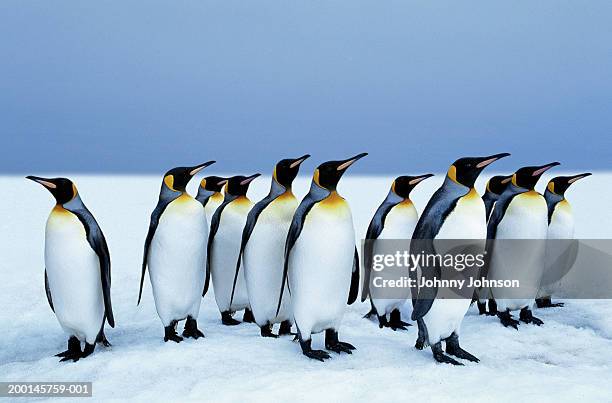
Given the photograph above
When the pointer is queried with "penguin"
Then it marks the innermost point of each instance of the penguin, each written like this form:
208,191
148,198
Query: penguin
455,211
77,270
175,253
495,187
263,246
519,213
560,226
224,248
321,261
209,194
395,218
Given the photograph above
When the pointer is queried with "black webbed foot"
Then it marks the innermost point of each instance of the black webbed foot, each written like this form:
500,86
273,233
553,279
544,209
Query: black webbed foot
73,352
248,316
170,333
492,308
527,317
285,329
318,355
333,344
547,303
191,329
441,357
506,319
482,308
453,348
395,321
266,331
227,320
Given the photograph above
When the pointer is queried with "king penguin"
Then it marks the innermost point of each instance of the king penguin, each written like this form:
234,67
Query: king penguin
395,218
78,270
224,247
321,261
175,252
455,211
494,188
520,214
262,250
209,194
560,226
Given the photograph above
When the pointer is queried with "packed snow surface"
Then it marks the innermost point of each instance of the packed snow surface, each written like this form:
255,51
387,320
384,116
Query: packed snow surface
568,358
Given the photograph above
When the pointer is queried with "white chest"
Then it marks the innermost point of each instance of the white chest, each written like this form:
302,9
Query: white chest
467,220
525,218
561,222
400,222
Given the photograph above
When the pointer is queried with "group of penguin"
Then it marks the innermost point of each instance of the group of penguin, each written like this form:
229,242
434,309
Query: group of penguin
289,263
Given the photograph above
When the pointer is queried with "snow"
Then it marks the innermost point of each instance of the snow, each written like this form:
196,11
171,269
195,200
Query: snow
568,358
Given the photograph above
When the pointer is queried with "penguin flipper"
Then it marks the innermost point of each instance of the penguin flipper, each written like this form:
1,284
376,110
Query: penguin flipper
297,223
214,227
97,241
247,231
48,291
354,290
374,230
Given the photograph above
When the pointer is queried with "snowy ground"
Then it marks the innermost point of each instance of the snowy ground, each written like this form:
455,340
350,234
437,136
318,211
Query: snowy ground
569,358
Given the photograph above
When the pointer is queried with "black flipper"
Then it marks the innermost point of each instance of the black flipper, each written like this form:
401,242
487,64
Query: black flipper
248,230
96,240
354,290
165,198
48,291
214,227
295,229
438,208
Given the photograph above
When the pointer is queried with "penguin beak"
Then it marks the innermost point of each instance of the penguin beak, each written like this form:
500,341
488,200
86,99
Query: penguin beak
194,170
506,179
485,161
540,170
222,182
348,162
48,183
578,177
419,179
298,161
249,179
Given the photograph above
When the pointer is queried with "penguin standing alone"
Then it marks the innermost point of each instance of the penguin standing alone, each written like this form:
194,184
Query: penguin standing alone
77,270
495,187
175,252
262,250
456,212
209,194
224,248
395,218
321,261
519,214
560,226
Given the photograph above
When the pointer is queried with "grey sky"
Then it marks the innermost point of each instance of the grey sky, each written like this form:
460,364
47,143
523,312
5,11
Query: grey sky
140,86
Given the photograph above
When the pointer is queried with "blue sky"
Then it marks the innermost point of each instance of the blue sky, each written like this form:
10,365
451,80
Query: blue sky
141,86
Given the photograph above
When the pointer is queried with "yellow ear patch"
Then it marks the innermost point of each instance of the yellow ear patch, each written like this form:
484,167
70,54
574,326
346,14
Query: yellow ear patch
452,173
514,180
393,187
203,183
274,175
75,192
315,177
551,187
488,187
169,181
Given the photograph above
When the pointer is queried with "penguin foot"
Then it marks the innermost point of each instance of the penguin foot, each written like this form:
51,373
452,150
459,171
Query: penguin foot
527,317
420,344
170,333
370,314
227,320
103,340
266,331
395,321
285,329
506,319
453,348
318,355
74,350
547,303
333,344
248,316
441,357
191,329
482,308
492,308
89,348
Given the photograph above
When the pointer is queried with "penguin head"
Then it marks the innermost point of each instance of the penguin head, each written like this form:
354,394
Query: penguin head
527,177
498,184
62,189
286,170
560,184
213,183
403,185
177,179
465,171
328,174
238,185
